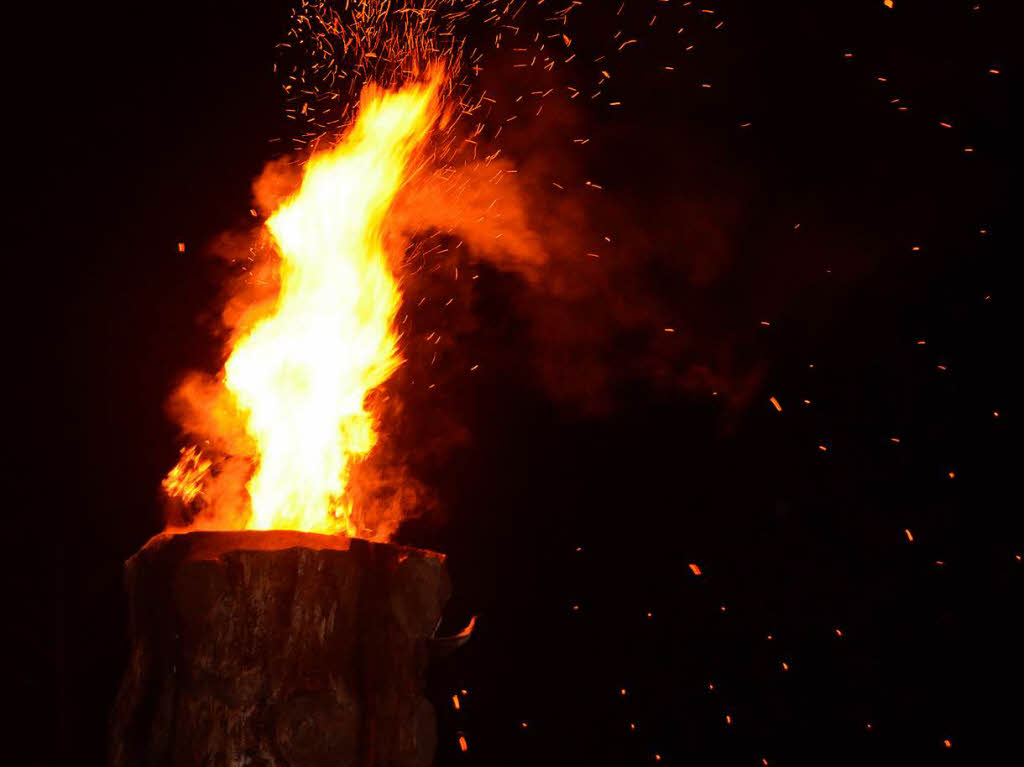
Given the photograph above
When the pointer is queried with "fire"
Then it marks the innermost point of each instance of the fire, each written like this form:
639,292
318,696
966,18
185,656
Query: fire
299,376
185,480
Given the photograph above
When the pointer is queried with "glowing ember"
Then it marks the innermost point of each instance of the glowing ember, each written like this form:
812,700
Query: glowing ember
299,376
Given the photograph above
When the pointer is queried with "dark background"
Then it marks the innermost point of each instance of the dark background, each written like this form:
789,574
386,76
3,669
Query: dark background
164,121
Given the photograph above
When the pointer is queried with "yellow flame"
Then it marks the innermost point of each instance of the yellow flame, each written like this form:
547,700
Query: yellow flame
301,374
185,480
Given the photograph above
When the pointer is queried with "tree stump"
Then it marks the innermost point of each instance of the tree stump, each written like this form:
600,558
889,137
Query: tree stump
278,648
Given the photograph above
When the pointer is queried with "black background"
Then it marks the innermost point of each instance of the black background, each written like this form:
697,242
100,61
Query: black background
163,120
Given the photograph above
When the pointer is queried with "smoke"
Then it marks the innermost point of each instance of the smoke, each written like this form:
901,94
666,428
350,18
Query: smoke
617,285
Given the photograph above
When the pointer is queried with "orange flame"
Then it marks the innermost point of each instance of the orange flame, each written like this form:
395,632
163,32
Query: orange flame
185,480
298,377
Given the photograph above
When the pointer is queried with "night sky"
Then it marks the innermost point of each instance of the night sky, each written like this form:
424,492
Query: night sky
796,201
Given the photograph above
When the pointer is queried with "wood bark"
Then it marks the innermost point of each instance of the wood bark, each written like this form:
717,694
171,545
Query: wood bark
278,648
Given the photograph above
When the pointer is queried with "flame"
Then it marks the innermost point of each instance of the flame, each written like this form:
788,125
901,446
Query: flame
299,376
185,480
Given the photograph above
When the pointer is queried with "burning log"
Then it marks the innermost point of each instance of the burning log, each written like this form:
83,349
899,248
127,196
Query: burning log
278,648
